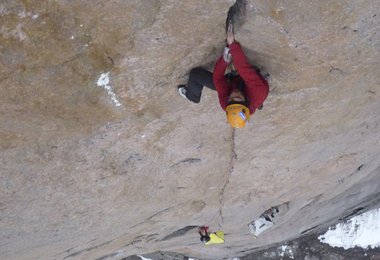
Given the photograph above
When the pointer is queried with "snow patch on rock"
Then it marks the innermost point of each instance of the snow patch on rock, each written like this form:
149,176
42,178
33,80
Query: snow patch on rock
143,258
362,231
286,250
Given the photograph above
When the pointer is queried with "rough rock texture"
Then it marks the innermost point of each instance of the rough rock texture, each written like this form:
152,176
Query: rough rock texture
130,167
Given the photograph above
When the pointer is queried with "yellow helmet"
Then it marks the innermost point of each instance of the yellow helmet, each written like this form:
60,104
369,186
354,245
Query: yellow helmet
237,115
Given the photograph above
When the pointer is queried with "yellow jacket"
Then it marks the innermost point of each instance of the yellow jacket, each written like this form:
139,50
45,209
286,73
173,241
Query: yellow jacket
216,238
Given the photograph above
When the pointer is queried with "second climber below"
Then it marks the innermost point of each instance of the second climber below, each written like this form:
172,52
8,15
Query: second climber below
240,92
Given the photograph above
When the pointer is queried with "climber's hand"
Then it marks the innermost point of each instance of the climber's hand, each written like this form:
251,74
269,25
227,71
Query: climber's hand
230,34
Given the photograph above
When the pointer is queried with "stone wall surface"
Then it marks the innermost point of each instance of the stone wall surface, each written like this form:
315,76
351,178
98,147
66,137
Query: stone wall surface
101,158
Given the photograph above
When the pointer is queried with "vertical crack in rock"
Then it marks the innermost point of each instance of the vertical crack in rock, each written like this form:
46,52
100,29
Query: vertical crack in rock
227,176
236,14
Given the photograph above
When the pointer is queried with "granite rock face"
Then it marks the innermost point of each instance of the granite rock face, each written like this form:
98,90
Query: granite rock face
101,158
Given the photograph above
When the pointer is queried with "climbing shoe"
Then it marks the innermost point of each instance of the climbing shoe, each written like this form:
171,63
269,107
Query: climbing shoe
182,90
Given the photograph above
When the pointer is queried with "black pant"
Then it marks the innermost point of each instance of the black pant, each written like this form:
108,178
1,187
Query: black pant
197,79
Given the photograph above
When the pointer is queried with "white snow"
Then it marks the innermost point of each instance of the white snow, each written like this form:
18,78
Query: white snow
143,258
362,231
104,81
286,251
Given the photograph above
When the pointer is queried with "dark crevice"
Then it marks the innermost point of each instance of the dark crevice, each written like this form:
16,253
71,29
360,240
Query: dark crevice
158,213
308,230
353,213
360,167
179,232
152,216
371,92
236,14
87,249
312,201
187,160
111,60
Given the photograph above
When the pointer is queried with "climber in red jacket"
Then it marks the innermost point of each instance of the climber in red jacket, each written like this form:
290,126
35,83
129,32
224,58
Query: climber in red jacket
240,92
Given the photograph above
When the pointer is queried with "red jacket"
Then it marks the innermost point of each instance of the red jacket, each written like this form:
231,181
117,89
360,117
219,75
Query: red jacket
256,87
